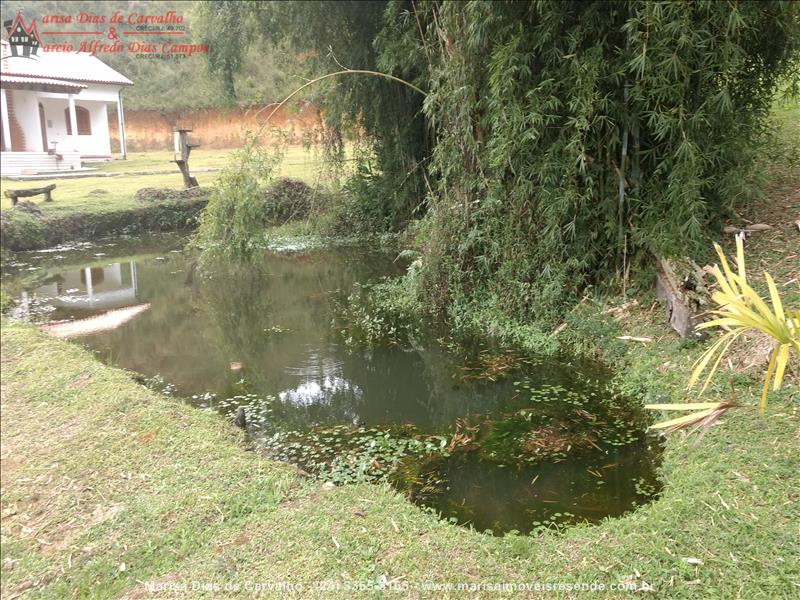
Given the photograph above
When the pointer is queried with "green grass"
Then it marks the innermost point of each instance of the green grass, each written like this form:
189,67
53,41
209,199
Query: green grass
108,194
162,160
99,471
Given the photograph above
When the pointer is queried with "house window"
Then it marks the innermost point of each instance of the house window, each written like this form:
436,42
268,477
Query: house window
83,118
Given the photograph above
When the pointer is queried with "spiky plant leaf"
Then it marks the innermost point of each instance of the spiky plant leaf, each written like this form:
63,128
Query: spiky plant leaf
739,309
683,406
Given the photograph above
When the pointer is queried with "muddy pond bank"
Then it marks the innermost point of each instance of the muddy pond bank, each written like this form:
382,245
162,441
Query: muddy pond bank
27,227
550,445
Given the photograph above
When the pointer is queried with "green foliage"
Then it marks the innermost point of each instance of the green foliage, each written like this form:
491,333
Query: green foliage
358,208
239,207
26,230
383,117
383,313
591,332
572,141
576,138
225,25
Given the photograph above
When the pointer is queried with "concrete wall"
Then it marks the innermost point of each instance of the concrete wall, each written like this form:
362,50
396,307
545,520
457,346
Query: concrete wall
212,127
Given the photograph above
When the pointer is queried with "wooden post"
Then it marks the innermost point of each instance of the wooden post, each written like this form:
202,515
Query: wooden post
183,147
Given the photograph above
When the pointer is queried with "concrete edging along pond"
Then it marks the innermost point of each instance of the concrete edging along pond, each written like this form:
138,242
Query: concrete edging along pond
726,510
33,229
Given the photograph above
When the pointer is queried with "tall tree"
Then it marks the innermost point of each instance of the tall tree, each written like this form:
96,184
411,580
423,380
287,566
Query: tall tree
227,27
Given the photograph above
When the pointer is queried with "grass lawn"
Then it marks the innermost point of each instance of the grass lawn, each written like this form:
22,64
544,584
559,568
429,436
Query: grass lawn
105,194
107,488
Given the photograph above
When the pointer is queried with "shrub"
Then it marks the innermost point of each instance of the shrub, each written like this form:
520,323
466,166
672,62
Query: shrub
21,230
287,199
233,222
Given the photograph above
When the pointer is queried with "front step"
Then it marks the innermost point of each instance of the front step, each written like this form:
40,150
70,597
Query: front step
35,163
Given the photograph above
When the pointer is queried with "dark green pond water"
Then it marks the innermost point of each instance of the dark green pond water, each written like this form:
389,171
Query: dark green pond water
547,444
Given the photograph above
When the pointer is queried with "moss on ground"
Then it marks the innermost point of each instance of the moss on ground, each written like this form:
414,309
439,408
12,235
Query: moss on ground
99,472
25,231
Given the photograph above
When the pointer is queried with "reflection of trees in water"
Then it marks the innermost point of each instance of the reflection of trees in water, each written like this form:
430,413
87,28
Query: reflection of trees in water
274,317
449,397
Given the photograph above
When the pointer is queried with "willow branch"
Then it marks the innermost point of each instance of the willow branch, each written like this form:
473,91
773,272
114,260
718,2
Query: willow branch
345,72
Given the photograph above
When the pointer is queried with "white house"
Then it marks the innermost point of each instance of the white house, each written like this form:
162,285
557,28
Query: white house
112,286
54,110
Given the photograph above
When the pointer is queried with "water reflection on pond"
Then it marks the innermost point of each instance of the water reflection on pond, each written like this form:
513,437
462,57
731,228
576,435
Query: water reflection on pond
261,336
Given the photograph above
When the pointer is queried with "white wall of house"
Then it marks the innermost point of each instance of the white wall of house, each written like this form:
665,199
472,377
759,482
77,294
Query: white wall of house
95,99
56,111
102,142
100,91
26,111
56,121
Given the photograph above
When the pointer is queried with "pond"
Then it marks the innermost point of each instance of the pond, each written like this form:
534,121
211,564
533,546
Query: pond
546,445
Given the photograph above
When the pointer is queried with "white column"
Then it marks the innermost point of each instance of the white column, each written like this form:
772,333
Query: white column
89,289
6,124
134,278
121,122
73,118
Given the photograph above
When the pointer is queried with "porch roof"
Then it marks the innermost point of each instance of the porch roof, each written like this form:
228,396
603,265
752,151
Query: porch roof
40,84
63,66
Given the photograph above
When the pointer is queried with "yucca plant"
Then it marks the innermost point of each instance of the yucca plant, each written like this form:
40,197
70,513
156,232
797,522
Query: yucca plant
705,415
739,309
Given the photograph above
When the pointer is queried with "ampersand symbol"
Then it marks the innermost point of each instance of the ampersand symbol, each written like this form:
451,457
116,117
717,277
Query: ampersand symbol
112,33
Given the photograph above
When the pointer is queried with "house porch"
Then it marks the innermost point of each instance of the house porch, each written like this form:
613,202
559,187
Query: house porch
45,130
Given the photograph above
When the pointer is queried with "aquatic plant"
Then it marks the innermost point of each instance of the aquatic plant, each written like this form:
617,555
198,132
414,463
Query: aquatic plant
384,313
558,422
343,454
